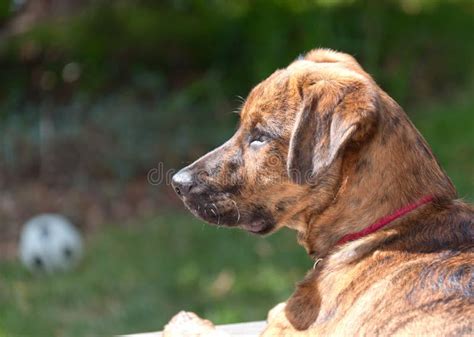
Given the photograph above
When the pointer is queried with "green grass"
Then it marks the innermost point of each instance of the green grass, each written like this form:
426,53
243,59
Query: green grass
134,279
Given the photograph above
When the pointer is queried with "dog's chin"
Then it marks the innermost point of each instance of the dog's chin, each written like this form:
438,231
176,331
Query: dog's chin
250,222
259,227
213,213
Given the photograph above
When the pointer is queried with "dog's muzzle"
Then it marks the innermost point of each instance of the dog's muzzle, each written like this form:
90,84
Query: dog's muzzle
200,198
218,207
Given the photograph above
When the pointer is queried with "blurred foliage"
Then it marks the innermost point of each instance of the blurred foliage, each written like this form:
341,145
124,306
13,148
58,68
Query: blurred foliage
117,87
448,128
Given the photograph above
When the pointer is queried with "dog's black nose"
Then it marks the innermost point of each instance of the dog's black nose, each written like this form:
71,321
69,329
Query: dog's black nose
182,183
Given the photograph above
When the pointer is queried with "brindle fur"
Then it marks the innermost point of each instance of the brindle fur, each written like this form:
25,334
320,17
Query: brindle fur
337,154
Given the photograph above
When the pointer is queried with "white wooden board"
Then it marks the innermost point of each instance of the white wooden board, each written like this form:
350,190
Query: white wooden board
249,329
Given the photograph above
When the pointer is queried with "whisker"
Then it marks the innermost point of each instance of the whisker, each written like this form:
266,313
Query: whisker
238,210
237,111
218,215
240,98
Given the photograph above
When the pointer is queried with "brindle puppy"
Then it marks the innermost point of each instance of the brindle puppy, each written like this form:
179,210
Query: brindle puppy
323,150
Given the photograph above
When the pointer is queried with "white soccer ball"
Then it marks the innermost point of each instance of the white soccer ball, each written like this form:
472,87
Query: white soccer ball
49,243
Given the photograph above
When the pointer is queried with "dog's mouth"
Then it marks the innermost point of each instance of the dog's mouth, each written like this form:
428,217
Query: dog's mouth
228,213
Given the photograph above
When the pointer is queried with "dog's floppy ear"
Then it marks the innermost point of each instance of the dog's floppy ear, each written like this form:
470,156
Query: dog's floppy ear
334,113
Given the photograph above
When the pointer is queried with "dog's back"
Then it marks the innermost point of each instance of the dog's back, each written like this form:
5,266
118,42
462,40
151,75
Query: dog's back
420,283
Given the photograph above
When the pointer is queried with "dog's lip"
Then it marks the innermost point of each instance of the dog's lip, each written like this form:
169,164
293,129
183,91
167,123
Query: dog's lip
254,226
257,227
210,213
214,216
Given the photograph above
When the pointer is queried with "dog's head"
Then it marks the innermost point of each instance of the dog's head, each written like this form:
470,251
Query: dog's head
294,129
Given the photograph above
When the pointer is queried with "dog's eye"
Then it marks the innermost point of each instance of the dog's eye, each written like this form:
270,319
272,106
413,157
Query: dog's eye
258,141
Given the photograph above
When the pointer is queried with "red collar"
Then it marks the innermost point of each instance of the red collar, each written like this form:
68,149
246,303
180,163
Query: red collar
385,220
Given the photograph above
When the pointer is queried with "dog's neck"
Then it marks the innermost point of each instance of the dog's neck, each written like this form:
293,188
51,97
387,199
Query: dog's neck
394,169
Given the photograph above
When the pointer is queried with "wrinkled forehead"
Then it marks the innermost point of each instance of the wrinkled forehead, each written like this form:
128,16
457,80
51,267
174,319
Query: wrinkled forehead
277,98
266,96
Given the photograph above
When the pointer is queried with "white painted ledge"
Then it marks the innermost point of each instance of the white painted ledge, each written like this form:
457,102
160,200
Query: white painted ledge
249,329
